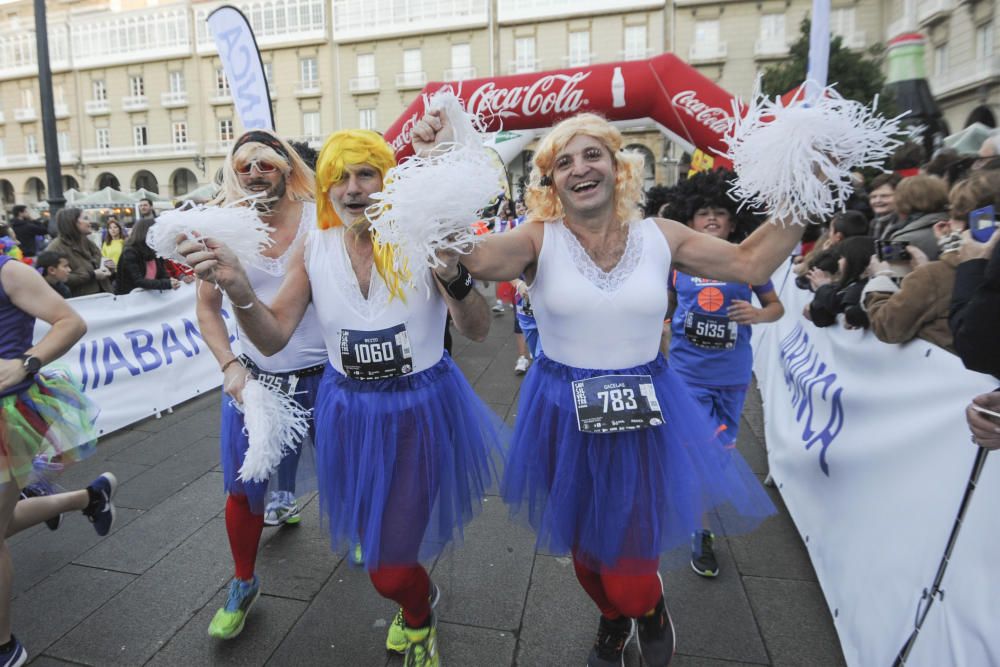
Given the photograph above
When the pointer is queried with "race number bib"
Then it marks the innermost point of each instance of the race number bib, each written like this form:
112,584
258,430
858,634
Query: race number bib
376,355
612,403
712,332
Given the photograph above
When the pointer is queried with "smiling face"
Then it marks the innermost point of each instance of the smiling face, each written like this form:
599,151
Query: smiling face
351,195
713,220
261,176
583,175
881,200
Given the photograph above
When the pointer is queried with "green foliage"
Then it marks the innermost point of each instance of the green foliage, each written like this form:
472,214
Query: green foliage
858,76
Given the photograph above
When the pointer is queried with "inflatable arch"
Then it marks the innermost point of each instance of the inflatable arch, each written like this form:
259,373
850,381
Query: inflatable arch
686,106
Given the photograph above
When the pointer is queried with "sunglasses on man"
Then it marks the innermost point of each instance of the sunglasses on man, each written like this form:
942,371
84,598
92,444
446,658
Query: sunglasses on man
262,167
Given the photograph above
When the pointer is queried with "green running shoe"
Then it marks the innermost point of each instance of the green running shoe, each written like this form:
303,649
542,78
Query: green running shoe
421,649
357,555
282,508
228,621
395,640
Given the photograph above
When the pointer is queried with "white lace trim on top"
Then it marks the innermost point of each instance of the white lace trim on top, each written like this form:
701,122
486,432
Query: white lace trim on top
277,266
606,281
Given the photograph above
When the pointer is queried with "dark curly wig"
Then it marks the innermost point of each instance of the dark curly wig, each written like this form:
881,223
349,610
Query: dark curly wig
706,188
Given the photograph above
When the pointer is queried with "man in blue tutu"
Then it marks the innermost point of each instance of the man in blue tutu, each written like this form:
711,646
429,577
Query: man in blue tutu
266,169
404,447
612,458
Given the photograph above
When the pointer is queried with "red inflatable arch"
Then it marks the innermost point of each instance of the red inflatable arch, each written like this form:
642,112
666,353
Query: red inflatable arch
689,108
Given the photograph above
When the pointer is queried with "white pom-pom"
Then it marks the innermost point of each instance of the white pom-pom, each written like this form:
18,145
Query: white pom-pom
274,424
239,227
430,203
777,150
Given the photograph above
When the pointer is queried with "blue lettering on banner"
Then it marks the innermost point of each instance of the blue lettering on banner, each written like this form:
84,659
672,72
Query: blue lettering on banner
815,393
111,348
140,350
172,344
191,332
243,76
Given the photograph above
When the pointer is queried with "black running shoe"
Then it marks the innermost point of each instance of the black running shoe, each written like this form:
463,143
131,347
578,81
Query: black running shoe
656,636
612,638
37,491
703,554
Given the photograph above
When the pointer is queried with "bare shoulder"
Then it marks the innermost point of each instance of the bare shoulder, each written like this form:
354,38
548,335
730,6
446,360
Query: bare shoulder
675,232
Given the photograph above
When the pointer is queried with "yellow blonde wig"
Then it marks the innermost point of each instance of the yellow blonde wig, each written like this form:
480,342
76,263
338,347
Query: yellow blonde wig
540,196
342,149
298,176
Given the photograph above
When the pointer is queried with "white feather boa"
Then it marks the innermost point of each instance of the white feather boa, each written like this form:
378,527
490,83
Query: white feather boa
430,203
239,227
776,151
274,424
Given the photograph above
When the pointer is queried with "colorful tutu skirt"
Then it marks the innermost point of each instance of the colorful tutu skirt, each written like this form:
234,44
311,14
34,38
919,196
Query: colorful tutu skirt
49,420
621,499
297,471
403,463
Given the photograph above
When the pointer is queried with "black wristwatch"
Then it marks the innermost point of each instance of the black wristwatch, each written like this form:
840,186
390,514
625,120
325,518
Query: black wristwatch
31,364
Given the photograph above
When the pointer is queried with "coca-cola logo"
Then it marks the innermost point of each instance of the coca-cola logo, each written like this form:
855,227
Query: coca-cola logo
405,132
550,94
713,118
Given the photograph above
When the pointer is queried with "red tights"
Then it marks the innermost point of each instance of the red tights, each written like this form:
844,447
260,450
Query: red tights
244,528
617,594
409,587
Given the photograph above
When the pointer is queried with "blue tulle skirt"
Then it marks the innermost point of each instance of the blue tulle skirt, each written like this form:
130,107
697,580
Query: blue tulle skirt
619,500
403,463
297,471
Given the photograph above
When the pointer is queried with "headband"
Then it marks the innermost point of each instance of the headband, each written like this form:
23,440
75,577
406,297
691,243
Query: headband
260,137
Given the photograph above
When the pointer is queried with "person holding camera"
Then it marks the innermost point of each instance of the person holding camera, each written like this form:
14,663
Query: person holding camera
921,202
840,292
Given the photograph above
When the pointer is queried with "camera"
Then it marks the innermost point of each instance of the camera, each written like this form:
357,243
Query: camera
892,251
983,223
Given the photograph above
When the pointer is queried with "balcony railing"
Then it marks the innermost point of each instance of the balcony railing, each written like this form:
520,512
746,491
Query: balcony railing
308,88
929,11
459,73
61,110
221,97
411,80
174,99
635,54
770,47
97,107
25,114
133,152
135,103
579,60
708,52
523,65
854,39
966,76
363,84
220,147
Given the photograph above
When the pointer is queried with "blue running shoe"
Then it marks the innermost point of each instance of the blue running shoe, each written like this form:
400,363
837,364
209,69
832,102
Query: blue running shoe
15,656
101,510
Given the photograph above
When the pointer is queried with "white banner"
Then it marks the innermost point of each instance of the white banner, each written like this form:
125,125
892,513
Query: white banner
241,60
869,447
142,354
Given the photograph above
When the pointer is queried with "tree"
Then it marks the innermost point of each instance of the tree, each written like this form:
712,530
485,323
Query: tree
858,76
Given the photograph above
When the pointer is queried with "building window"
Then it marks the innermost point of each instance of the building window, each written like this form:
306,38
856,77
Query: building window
140,136
103,138
524,55
579,49
59,95
772,31
27,98
226,129
2,150
180,133
136,86
62,138
366,65
309,70
842,23
177,82
269,73
100,91
461,56
706,35
30,144
310,125
411,61
984,41
367,120
635,42
221,83
941,60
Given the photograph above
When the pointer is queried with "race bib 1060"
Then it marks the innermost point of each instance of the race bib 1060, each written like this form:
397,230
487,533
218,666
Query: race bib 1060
376,355
612,403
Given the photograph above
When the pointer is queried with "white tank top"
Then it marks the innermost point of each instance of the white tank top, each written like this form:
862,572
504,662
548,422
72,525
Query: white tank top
346,316
591,319
305,348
